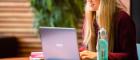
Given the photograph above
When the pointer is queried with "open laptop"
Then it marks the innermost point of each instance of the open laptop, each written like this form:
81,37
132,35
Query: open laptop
59,43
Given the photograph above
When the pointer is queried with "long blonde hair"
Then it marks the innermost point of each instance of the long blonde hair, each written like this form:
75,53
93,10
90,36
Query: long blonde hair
107,9
105,17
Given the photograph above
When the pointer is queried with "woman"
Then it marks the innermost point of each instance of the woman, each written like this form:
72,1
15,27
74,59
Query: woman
119,26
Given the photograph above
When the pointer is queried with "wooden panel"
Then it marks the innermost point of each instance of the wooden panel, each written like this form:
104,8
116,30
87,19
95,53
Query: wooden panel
14,0
14,4
16,19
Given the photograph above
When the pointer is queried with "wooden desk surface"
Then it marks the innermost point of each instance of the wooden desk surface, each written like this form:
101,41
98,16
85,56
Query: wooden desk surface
16,58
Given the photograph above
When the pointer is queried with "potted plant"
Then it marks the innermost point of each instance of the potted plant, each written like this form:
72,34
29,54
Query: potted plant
57,13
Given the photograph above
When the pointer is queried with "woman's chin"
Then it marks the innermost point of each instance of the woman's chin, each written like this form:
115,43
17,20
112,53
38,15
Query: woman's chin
93,9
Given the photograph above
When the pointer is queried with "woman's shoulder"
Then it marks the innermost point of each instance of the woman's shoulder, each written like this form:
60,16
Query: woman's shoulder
123,17
124,20
123,13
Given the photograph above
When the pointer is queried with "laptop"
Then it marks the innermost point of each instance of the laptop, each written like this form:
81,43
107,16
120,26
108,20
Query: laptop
59,43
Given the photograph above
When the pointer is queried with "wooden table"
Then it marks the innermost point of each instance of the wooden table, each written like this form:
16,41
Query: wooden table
16,58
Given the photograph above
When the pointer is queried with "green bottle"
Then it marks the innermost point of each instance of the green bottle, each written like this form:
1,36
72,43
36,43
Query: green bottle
102,45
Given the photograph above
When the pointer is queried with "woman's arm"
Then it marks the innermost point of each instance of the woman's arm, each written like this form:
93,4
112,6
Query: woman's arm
118,56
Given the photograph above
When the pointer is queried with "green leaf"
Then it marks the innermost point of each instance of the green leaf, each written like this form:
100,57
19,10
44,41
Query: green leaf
49,4
57,13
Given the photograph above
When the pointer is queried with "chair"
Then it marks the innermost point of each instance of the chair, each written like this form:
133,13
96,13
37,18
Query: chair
138,51
9,47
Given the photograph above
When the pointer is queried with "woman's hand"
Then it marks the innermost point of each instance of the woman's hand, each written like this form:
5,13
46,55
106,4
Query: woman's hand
88,7
89,11
88,55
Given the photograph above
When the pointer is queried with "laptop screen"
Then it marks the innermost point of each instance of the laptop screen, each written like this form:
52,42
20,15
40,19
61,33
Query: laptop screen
59,43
